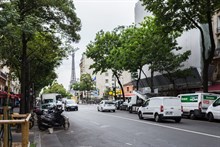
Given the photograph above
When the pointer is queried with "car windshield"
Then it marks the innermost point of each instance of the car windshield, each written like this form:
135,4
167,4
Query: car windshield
48,101
109,103
70,102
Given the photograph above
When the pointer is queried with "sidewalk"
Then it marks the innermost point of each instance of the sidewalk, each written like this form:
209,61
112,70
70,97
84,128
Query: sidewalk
44,139
37,137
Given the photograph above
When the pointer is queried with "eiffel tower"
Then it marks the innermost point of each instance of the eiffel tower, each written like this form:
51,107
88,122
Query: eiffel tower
73,71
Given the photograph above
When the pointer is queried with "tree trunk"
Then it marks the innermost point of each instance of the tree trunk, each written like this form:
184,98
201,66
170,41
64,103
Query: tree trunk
139,77
23,74
152,81
121,86
205,76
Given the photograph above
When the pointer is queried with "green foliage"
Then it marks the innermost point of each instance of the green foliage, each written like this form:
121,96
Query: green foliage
57,88
76,86
182,15
86,82
106,52
29,38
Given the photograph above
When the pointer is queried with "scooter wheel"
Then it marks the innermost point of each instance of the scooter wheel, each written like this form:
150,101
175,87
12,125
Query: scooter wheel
42,128
66,126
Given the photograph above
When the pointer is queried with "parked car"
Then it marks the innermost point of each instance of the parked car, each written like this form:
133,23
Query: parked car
71,105
160,108
124,105
195,105
213,111
106,105
118,103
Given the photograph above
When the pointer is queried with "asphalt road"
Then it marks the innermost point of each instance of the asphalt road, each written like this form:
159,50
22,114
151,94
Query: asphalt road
90,128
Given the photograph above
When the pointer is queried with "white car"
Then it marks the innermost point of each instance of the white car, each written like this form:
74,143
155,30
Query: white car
106,105
213,111
160,108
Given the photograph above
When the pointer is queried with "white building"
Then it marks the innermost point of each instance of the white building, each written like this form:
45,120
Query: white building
189,40
105,80
14,83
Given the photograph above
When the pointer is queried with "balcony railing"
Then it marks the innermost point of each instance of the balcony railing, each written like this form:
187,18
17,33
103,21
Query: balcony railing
4,76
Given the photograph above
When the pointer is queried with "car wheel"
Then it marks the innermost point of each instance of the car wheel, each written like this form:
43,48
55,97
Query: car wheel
192,115
140,115
113,110
210,117
177,120
130,109
157,118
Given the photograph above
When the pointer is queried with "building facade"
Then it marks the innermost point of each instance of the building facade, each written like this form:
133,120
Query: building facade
190,40
14,83
105,80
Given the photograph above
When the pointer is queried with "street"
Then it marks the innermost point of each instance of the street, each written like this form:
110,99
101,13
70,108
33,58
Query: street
90,128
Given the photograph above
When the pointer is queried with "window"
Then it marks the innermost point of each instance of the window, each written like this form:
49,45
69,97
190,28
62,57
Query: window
127,88
218,24
106,74
106,80
217,102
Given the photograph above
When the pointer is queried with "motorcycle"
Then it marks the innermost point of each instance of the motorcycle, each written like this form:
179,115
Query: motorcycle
53,118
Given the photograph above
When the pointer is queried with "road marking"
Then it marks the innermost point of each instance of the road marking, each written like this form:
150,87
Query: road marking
104,126
95,123
128,144
169,127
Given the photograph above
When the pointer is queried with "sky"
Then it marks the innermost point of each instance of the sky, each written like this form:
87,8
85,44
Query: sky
95,15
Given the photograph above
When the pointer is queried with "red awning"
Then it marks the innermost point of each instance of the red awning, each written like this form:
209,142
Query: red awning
214,88
3,94
129,94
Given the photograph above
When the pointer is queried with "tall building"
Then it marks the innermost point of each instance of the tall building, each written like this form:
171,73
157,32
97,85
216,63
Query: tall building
73,71
190,40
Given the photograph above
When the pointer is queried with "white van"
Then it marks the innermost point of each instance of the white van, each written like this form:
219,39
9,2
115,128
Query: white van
213,111
161,108
196,104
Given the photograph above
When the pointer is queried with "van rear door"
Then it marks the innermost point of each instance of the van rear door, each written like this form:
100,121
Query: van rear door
172,106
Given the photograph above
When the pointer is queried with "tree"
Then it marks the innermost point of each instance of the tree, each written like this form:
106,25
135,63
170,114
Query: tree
57,88
86,84
134,48
20,20
185,15
148,44
105,52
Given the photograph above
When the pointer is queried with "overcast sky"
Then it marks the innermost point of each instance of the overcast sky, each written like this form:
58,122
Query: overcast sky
95,15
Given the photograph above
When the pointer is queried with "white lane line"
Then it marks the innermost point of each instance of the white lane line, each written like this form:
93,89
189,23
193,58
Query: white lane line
128,144
95,123
169,127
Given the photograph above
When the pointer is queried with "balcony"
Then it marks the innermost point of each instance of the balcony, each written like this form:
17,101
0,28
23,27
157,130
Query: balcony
3,76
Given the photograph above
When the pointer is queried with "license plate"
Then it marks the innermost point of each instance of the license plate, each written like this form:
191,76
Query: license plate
169,112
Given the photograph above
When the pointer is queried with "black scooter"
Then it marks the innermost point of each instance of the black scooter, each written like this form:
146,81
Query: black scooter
53,118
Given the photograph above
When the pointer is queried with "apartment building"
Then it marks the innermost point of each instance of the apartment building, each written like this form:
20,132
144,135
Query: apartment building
14,84
215,79
105,80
